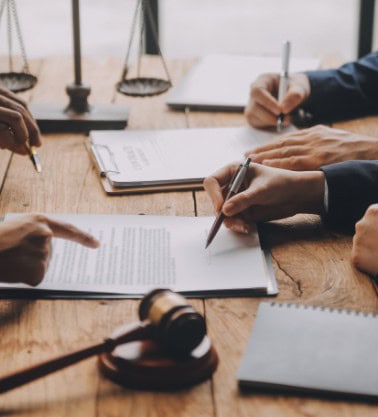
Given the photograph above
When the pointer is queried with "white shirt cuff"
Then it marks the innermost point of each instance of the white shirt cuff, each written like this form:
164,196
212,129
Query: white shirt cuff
326,196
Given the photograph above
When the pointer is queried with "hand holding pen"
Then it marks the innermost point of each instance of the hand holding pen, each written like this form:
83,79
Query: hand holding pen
18,130
233,188
264,107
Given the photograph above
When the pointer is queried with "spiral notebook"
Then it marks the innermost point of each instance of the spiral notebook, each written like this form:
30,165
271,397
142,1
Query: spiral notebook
311,349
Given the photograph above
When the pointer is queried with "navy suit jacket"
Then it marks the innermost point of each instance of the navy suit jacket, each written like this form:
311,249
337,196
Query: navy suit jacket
352,188
344,93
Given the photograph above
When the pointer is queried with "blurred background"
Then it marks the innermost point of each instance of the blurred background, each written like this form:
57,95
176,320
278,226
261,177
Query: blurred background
192,28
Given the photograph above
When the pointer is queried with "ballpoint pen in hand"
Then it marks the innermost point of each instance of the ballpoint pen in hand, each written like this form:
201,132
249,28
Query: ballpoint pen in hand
283,81
234,187
33,155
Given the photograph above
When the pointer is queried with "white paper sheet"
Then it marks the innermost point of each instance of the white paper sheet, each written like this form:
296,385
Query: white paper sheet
139,253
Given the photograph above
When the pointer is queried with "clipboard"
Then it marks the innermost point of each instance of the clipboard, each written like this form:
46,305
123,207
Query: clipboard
103,169
142,161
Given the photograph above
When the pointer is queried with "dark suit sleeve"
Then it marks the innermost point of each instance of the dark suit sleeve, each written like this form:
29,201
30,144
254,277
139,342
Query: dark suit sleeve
347,92
352,188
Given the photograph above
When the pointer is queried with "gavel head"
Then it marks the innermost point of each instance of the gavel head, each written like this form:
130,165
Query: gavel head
177,326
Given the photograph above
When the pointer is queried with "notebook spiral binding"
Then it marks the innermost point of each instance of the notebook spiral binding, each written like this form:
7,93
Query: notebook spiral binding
328,309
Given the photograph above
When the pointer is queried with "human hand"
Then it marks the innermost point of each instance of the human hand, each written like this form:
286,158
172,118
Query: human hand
309,149
25,246
365,242
17,126
270,193
263,107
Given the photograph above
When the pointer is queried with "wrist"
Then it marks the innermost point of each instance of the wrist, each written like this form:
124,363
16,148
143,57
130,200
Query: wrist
303,80
310,192
365,148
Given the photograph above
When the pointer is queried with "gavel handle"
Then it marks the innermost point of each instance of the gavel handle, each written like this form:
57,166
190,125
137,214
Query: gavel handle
136,332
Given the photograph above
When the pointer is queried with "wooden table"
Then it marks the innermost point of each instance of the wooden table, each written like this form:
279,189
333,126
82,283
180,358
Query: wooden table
311,266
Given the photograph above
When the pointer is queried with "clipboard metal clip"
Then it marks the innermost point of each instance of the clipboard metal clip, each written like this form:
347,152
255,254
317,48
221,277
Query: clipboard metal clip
105,160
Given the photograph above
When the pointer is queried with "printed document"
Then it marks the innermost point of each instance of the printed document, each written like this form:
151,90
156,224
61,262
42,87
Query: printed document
139,253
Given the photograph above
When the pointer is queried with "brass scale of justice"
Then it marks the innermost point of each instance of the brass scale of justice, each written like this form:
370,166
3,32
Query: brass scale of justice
79,115
168,348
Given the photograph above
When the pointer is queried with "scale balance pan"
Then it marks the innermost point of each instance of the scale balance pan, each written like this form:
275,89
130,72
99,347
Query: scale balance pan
143,87
143,365
17,81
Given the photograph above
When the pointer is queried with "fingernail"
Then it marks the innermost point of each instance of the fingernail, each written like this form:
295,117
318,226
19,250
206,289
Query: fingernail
241,229
96,243
253,157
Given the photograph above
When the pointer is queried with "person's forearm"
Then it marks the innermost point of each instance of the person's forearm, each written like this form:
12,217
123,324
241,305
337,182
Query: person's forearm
347,92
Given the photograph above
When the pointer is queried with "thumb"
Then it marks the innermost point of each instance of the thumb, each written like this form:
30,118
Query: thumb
239,203
294,97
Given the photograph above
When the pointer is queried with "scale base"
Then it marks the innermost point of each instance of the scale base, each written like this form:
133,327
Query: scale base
143,365
54,118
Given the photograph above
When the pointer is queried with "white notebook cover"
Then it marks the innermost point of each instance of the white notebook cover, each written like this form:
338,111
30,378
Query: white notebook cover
311,349
222,82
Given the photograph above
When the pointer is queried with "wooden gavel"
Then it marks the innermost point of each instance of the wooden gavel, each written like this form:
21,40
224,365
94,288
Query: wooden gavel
166,317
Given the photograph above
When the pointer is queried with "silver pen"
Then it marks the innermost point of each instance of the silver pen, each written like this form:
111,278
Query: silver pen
284,81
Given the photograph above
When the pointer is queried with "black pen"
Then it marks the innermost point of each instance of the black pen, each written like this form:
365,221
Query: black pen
283,82
234,187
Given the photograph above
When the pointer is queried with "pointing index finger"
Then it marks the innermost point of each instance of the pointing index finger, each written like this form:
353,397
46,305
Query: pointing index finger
70,232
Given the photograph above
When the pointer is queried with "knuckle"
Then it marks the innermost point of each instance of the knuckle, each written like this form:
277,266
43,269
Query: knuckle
285,152
299,163
44,253
33,130
248,111
208,183
319,129
243,201
39,218
19,109
256,91
15,116
295,163
38,273
44,249
355,258
358,227
372,210
295,96
22,103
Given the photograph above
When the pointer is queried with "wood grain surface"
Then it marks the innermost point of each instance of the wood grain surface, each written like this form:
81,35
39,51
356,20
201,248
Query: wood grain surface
312,266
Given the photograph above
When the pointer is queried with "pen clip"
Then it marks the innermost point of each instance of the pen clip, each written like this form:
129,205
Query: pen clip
101,157
235,186
285,59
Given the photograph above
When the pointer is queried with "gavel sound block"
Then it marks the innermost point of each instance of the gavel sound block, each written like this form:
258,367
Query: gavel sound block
168,349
